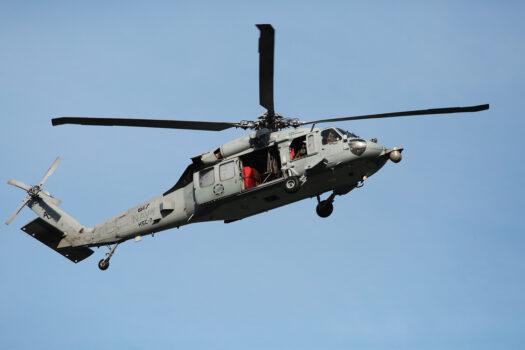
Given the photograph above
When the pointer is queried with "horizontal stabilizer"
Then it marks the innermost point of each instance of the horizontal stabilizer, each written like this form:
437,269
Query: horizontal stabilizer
51,236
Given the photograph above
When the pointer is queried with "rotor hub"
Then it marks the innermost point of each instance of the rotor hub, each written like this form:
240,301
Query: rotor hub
34,190
271,121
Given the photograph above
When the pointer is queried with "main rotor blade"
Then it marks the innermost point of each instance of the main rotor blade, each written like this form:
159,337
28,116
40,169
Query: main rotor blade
148,123
50,171
266,59
405,114
19,184
15,213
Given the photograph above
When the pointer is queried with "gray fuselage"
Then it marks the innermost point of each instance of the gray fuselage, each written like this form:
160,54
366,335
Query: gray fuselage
218,188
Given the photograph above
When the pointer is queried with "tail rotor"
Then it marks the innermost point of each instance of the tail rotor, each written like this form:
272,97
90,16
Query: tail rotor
34,192
49,171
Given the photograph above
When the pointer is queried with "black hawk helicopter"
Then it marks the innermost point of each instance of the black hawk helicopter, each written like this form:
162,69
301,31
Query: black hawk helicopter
279,162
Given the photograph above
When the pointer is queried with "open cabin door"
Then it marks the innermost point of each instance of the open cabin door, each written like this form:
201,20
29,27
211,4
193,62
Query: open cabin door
311,144
304,152
218,181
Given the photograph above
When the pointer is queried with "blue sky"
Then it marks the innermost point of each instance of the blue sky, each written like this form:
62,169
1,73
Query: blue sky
428,254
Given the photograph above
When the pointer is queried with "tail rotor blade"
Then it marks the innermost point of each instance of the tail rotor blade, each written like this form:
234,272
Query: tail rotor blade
13,216
50,171
19,184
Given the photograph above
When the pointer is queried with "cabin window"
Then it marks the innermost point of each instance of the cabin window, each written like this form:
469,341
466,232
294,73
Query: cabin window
206,177
227,171
311,143
298,148
330,136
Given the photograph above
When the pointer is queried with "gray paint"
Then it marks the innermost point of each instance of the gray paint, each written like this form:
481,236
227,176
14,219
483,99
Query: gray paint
330,167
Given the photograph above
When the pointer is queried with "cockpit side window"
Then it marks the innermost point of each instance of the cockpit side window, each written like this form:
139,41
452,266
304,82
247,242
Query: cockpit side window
330,136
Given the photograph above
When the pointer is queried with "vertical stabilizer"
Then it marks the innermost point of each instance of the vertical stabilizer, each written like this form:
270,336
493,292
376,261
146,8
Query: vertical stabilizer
53,227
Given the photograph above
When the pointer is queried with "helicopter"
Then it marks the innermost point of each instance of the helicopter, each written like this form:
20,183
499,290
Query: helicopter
280,161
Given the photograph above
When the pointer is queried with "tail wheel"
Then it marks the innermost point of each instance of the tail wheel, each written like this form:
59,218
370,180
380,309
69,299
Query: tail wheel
292,184
324,209
103,264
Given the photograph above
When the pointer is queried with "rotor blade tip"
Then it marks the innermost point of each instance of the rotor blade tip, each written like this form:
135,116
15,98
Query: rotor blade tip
480,108
263,26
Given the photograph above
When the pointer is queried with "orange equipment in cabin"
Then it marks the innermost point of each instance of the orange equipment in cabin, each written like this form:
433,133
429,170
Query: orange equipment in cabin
252,177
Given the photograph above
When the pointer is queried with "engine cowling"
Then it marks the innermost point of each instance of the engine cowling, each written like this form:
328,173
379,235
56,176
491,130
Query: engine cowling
257,139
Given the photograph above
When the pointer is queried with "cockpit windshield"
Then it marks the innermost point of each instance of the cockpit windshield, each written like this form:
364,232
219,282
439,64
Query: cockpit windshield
330,135
347,133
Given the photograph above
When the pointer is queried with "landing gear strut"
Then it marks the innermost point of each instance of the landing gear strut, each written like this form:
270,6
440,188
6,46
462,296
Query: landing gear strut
325,207
103,264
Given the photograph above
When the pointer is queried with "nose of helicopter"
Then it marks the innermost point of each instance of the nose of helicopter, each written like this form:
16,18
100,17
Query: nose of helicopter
373,150
376,156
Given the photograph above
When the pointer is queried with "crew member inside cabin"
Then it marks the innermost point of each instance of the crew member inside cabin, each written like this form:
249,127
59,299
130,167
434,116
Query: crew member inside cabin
298,148
252,177
302,151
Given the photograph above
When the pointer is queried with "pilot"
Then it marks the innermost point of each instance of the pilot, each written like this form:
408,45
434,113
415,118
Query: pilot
332,137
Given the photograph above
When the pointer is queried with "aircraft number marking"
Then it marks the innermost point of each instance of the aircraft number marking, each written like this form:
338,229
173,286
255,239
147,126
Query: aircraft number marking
144,215
145,222
142,207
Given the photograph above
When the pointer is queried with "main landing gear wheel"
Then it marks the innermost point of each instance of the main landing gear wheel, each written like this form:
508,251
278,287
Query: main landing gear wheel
103,264
292,184
324,208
